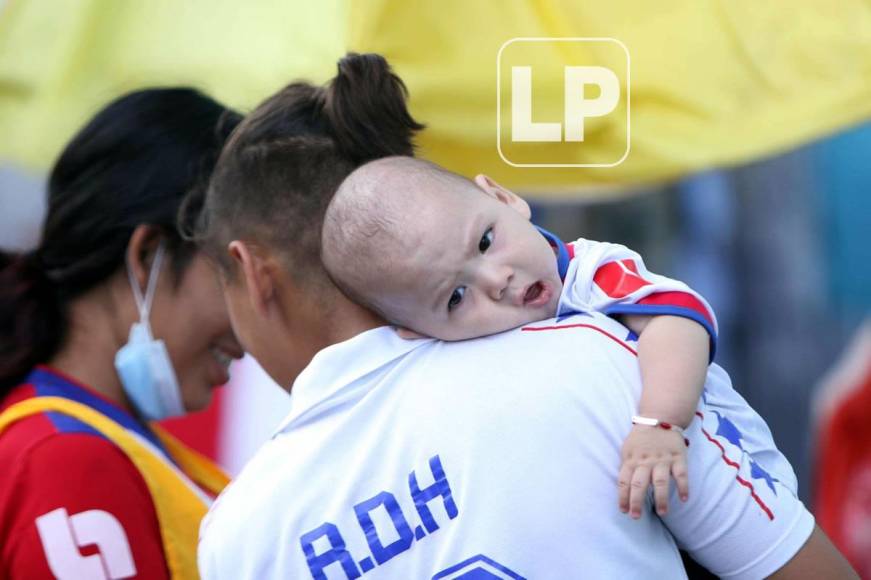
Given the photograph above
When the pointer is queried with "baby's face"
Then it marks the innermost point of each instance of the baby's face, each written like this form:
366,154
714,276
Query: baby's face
475,266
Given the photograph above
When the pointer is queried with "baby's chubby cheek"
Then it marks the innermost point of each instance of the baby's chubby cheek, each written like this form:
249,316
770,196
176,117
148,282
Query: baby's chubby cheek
553,303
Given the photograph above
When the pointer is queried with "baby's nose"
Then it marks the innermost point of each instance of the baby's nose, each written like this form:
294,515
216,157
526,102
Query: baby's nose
496,281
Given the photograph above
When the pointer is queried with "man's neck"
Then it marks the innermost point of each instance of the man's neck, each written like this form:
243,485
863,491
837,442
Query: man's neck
351,319
311,328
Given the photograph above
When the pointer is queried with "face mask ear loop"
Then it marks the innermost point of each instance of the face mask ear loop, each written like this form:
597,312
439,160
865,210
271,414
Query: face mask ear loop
144,303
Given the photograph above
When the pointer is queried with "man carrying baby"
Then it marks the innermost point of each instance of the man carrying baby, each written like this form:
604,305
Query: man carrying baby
489,458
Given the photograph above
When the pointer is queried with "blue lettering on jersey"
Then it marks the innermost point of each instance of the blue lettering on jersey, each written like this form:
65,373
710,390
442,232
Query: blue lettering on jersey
384,500
423,497
381,552
336,553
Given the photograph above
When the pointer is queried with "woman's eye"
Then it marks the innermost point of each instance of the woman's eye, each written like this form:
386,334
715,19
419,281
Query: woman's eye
486,240
456,297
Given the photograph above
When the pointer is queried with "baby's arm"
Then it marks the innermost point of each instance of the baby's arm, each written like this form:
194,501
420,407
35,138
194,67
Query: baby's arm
673,356
673,353
677,334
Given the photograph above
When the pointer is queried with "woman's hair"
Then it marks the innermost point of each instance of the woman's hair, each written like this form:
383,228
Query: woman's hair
285,161
132,164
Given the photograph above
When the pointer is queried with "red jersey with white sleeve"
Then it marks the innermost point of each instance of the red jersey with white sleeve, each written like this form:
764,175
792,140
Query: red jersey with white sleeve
612,279
72,505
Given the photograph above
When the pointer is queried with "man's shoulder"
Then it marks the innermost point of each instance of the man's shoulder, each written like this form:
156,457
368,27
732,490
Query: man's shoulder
257,496
563,349
581,364
591,329
254,484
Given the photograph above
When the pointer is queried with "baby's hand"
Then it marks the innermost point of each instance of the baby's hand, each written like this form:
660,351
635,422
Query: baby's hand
652,455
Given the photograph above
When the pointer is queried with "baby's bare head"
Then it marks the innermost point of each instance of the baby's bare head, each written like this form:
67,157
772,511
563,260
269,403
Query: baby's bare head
436,253
378,224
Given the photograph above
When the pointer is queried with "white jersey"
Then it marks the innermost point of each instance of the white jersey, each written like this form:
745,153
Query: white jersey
612,279
491,458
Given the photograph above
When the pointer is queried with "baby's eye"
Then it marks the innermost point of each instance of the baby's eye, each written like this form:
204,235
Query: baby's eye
456,297
486,240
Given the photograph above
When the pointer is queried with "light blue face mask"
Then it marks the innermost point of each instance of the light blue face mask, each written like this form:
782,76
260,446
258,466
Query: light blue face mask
143,364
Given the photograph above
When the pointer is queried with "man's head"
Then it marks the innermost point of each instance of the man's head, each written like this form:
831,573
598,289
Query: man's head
432,251
262,215
262,220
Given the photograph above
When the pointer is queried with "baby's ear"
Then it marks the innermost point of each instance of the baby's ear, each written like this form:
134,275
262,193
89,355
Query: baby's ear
506,196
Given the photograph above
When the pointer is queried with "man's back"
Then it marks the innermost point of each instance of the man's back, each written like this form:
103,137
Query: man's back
421,459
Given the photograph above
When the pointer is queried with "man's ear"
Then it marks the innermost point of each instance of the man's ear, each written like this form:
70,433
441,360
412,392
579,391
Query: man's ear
255,273
140,253
506,196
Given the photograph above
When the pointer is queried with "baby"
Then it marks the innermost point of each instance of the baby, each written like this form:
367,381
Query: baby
441,256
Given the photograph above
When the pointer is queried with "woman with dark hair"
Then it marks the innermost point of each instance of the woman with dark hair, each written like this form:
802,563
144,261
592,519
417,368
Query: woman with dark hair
113,321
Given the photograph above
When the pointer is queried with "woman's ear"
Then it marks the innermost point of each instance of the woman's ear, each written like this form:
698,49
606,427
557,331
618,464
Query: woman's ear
140,253
503,195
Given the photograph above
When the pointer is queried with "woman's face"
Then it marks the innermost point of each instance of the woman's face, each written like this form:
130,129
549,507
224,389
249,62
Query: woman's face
189,315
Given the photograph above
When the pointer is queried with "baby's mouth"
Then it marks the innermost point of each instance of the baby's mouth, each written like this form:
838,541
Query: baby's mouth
536,294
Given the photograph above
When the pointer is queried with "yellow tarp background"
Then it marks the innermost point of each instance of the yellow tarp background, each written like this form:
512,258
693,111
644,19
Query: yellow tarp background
713,82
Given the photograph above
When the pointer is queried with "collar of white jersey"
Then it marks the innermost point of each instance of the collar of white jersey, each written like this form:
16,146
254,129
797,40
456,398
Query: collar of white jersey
564,252
331,378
